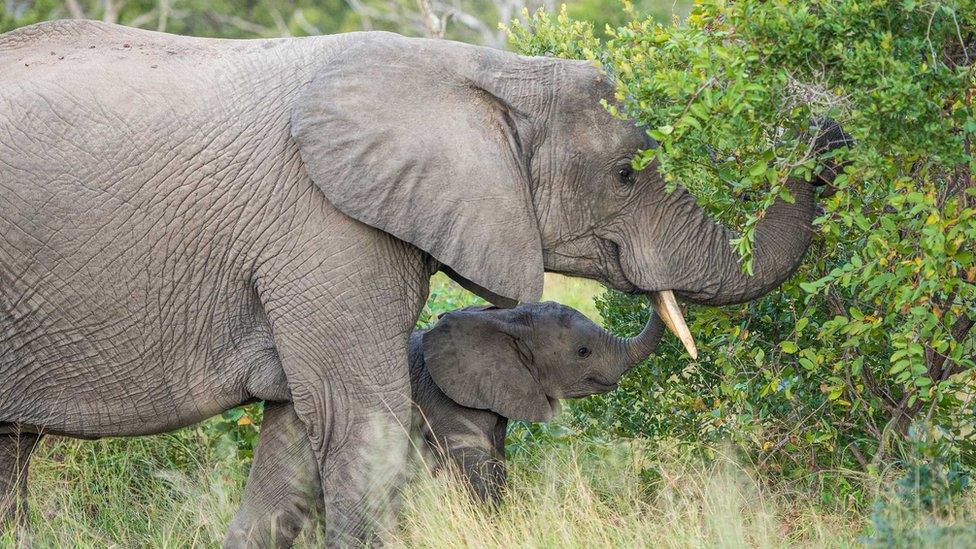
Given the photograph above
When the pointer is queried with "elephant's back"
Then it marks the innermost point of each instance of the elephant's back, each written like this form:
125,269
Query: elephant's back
57,47
44,45
68,35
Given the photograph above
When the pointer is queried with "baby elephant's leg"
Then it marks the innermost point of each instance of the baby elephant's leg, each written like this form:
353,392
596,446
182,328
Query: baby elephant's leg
483,473
482,464
15,451
283,491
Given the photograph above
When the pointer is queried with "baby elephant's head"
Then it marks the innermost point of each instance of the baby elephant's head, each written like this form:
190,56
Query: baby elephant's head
518,362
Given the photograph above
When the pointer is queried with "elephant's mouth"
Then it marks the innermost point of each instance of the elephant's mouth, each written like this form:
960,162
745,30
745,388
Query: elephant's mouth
590,387
662,299
614,274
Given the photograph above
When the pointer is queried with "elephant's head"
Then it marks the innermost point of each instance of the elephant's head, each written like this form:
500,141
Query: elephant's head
502,167
518,362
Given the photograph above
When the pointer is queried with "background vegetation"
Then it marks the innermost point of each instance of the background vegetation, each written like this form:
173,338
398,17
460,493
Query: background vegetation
836,411
867,350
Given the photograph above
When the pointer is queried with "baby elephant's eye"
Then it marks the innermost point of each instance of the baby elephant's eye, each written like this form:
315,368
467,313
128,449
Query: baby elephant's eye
583,351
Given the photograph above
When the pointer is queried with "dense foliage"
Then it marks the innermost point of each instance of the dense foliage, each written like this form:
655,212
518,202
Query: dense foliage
872,334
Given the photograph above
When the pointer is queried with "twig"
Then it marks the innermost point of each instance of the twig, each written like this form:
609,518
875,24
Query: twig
928,37
75,10
163,15
431,22
305,25
111,14
359,9
238,23
279,21
858,455
962,43
143,19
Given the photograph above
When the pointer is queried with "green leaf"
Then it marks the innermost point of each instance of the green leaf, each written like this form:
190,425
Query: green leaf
808,287
801,324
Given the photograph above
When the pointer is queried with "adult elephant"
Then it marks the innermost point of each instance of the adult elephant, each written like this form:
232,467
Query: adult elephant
198,223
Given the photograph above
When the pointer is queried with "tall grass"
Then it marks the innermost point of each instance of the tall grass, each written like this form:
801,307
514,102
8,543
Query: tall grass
166,491
619,495
175,491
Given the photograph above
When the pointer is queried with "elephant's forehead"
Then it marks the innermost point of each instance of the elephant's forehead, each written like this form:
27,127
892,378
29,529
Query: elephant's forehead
590,127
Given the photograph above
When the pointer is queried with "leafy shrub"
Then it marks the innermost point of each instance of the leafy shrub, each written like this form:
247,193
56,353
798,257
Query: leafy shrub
235,432
921,510
872,334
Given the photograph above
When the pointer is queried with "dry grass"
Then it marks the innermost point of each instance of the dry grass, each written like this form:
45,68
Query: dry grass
121,494
599,496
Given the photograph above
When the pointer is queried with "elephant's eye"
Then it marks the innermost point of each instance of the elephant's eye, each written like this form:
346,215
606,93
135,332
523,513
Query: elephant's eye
626,175
583,352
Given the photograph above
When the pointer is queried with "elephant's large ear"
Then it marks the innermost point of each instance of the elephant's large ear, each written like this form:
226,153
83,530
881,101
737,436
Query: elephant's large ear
477,359
424,139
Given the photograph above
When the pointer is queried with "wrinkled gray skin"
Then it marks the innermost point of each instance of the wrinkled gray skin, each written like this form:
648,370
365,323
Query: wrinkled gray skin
514,364
191,224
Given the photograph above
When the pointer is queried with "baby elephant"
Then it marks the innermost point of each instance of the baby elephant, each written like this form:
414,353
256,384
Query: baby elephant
473,371
482,366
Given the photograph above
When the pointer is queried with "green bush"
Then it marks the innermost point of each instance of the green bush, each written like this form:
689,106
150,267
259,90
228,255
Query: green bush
923,505
872,334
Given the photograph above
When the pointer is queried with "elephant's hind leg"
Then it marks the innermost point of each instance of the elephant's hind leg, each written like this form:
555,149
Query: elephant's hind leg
283,491
15,452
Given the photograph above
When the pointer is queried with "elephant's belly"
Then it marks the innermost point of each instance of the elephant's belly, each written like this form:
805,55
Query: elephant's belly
133,367
128,403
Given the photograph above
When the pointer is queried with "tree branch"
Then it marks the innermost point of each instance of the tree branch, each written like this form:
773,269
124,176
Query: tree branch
305,25
163,15
279,21
238,23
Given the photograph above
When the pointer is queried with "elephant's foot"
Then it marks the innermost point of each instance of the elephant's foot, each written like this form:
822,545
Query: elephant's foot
283,492
362,479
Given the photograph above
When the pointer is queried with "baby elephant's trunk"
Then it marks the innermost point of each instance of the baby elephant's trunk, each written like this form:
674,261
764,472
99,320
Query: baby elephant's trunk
635,349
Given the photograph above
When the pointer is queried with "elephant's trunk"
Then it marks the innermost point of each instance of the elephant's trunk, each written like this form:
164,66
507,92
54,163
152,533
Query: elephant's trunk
707,270
632,350
714,274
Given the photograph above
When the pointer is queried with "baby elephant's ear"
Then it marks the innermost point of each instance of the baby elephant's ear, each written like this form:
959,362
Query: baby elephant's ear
476,358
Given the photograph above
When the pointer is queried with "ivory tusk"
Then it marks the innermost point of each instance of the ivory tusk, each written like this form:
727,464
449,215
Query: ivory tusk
666,307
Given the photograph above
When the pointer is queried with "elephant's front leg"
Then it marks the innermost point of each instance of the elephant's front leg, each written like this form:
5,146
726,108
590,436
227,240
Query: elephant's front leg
15,452
283,491
350,387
